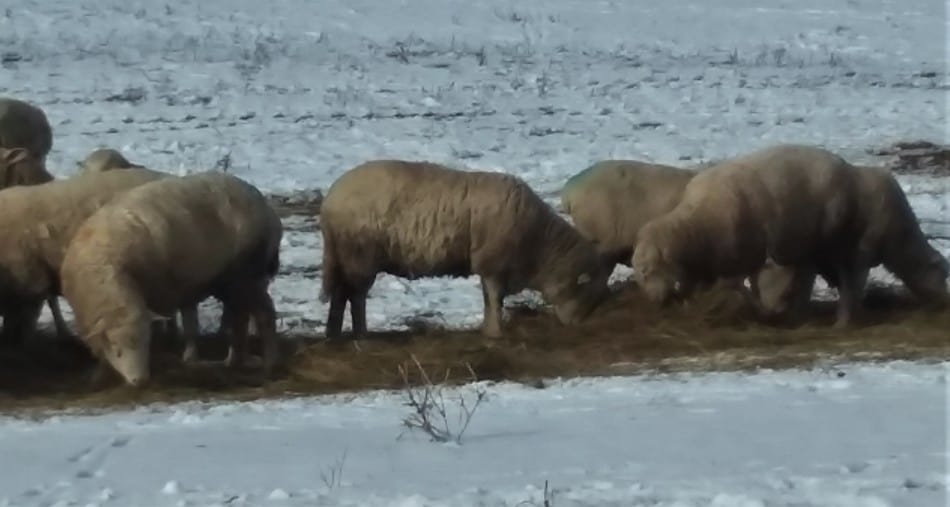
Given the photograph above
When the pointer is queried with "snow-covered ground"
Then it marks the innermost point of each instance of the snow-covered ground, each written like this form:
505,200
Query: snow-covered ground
838,436
298,91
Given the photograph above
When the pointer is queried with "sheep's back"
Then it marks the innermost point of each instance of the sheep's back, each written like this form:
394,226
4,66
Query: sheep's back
176,237
401,217
611,200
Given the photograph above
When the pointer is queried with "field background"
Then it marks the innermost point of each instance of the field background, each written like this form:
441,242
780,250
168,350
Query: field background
290,93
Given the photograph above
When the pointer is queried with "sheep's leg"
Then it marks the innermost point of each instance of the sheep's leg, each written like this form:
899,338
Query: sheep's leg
19,323
62,330
493,294
234,319
265,320
171,328
358,310
335,315
852,280
189,324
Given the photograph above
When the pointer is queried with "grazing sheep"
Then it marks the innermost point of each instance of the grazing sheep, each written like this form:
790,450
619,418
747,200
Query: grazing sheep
418,219
23,125
611,200
37,223
105,159
804,207
166,246
887,232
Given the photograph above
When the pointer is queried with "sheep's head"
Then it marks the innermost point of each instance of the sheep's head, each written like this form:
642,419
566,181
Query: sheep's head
776,289
580,290
928,279
128,353
18,166
654,273
105,159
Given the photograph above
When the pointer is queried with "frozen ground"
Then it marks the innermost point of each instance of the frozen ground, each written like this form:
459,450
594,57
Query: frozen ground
298,91
845,436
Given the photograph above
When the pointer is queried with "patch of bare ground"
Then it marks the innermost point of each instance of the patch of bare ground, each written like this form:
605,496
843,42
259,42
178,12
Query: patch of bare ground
304,202
916,157
627,335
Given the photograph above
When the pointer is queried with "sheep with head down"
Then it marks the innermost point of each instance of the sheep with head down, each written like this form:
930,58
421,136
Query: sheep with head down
419,219
165,246
37,223
887,232
805,208
109,159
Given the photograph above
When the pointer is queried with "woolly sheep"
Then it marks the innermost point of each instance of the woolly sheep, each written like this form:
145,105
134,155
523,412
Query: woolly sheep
24,125
418,219
611,200
37,223
105,159
165,246
887,232
800,205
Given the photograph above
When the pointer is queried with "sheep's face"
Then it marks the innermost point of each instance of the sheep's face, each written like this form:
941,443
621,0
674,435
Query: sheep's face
581,292
928,279
128,354
20,167
777,289
657,278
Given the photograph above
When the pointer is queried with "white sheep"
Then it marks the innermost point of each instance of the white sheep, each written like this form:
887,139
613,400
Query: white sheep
416,219
166,246
37,223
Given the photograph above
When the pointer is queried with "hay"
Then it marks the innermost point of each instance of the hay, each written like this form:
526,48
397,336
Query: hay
714,331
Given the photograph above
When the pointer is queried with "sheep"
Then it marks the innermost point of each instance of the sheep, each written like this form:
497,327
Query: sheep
37,223
888,233
419,219
165,246
611,200
804,207
105,159
18,166
24,125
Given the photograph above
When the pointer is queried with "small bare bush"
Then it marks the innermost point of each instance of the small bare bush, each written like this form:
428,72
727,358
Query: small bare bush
429,411
332,476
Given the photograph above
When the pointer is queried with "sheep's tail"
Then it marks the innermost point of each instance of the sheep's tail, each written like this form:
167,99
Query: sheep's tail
331,269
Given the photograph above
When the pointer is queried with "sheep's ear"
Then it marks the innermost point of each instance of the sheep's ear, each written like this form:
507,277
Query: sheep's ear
15,155
584,278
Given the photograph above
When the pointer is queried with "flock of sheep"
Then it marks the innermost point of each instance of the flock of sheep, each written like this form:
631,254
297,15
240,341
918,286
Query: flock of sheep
134,247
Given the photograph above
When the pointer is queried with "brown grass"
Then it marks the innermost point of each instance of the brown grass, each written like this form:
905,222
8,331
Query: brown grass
627,335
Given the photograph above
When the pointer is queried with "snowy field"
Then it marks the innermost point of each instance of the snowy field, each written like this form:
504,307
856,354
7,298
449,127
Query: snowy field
839,436
295,92
299,91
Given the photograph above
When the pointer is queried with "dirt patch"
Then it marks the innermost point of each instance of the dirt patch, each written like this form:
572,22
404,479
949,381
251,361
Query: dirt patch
627,335
304,202
917,157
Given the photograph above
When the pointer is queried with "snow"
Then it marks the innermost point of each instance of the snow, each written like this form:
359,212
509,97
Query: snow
298,91
839,435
